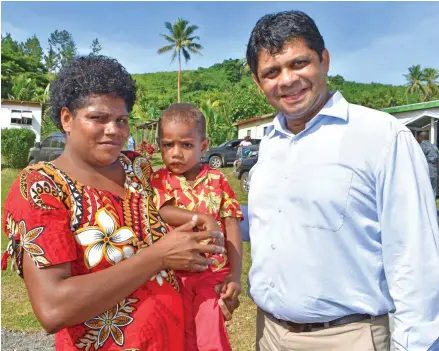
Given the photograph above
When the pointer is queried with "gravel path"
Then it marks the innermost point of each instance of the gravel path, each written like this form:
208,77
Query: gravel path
19,341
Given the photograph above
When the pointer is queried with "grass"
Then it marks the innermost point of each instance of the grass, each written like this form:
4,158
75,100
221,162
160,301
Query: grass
16,310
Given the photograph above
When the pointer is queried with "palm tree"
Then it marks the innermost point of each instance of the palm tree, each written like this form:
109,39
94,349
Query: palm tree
415,77
182,41
23,88
430,77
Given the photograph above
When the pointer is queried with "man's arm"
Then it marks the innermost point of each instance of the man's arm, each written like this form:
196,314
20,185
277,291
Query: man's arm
410,243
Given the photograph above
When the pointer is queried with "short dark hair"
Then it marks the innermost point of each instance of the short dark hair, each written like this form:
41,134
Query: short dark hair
86,76
272,31
186,113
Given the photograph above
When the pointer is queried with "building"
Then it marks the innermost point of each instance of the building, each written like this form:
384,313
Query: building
419,117
22,114
423,116
254,127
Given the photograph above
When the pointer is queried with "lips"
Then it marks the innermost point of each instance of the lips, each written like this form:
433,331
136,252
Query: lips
294,96
110,143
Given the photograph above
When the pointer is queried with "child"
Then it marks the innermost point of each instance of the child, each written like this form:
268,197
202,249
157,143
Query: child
187,184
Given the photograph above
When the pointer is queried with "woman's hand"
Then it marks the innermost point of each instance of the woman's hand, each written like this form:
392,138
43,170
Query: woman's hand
180,249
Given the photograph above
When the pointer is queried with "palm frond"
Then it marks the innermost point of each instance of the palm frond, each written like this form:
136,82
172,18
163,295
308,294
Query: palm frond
166,48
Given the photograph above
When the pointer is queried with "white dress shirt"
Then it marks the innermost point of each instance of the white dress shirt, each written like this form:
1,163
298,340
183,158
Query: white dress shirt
343,221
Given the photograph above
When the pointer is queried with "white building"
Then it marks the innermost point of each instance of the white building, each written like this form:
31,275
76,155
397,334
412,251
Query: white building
22,114
423,116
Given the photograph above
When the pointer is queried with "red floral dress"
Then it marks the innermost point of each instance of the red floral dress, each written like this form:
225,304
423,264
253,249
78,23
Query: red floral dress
55,219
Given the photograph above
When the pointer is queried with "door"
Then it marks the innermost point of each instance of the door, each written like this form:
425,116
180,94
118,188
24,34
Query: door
45,147
231,150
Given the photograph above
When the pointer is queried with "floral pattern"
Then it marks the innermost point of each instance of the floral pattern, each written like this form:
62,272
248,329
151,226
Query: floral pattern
56,220
104,240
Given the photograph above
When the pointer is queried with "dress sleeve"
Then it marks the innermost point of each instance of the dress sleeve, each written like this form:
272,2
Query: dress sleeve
161,189
229,205
36,222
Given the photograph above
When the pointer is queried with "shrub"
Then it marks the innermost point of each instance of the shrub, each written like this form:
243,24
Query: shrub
16,143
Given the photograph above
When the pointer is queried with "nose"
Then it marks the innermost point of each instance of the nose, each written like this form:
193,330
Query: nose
176,152
288,77
111,128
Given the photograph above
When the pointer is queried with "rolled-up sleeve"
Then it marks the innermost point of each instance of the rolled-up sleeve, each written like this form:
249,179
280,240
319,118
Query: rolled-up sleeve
410,243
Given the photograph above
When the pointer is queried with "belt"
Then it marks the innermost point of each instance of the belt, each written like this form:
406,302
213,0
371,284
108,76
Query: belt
307,327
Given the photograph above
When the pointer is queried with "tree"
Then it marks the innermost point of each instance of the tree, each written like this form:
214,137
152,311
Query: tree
95,47
23,88
32,47
182,42
430,77
62,50
415,78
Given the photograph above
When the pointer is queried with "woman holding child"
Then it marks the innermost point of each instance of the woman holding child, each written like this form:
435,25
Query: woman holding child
95,253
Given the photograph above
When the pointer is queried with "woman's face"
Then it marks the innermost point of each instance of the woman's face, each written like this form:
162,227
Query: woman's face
98,130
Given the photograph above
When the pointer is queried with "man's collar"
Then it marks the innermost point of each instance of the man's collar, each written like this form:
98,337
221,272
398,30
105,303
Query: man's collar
336,106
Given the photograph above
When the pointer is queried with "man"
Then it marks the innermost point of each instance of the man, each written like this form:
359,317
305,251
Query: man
431,154
131,143
343,221
246,141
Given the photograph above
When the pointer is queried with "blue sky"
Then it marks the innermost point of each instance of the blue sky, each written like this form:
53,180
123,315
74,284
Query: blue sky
368,41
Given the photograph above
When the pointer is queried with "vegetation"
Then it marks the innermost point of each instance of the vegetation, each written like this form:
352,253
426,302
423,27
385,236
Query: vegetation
225,91
16,143
182,41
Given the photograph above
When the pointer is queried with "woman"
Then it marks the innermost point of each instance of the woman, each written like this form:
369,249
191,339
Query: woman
80,217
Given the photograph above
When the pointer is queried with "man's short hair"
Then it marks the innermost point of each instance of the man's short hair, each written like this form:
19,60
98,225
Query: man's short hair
186,113
272,31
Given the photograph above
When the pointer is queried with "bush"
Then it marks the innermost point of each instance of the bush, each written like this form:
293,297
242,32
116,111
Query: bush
16,143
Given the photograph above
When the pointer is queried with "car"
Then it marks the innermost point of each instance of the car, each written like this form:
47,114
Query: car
243,165
224,154
49,149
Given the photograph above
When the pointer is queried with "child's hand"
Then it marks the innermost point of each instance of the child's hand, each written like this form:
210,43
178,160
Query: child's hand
210,224
231,288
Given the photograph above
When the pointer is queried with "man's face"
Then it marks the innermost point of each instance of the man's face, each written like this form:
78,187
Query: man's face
294,79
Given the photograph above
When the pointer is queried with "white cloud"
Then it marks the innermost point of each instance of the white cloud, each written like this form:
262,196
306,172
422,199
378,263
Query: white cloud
388,57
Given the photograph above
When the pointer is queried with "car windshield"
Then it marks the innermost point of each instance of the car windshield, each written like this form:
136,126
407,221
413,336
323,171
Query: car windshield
223,144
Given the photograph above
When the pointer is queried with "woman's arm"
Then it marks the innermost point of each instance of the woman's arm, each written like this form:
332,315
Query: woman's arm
60,300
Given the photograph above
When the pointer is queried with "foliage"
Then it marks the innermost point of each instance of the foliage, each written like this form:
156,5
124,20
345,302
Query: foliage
62,50
182,41
146,149
95,47
18,59
16,143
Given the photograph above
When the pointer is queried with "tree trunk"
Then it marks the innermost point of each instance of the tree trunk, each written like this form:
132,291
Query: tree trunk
179,77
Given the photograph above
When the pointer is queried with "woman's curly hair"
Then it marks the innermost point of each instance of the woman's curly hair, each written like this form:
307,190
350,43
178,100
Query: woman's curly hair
87,76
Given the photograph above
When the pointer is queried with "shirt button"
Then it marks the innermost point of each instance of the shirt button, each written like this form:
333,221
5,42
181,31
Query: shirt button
273,246
272,284
279,210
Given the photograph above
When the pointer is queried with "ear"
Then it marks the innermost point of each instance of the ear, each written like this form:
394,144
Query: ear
205,145
66,119
325,60
256,80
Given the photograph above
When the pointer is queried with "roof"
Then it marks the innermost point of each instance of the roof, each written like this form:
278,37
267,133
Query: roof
421,121
412,107
257,118
20,102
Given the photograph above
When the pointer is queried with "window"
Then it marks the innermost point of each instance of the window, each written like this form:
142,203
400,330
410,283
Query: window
265,130
58,142
249,132
15,117
26,118
46,142
21,117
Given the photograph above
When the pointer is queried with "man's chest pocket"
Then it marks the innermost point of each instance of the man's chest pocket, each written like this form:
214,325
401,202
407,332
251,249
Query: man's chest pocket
319,199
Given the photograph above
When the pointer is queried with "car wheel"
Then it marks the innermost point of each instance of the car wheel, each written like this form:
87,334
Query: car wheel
215,162
32,162
245,184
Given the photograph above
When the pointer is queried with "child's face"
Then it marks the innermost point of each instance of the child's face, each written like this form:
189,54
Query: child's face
181,146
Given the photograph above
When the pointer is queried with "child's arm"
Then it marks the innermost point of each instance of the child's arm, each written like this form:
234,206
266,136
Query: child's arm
232,284
175,217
